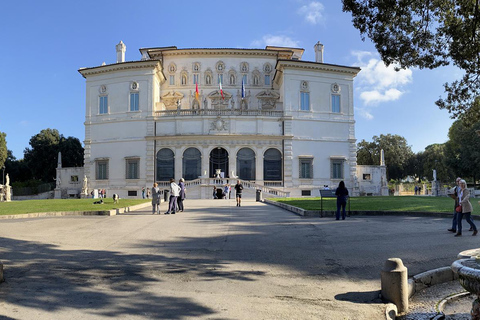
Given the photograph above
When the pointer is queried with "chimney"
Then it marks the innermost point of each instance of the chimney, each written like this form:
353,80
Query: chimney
318,52
121,48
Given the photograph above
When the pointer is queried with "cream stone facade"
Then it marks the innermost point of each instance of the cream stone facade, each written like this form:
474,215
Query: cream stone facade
280,124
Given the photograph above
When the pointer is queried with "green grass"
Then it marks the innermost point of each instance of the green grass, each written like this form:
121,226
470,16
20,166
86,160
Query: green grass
58,205
406,203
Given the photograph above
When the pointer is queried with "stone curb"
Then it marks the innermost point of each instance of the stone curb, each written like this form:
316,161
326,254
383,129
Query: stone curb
112,212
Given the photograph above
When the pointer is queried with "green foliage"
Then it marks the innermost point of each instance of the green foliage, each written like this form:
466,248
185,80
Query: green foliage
42,157
463,149
434,158
17,169
428,34
3,149
397,154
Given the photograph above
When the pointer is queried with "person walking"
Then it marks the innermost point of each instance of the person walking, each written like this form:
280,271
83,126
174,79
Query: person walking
181,196
156,193
456,192
215,196
342,196
238,193
466,206
174,193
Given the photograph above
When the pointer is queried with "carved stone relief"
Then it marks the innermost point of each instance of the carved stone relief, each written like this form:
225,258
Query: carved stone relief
170,99
268,99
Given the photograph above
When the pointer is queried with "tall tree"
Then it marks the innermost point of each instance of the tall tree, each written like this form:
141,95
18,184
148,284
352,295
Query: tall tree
434,159
3,148
428,34
397,154
463,149
42,157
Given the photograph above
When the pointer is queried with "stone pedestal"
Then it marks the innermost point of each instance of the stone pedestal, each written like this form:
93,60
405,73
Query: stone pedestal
58,193
8,193
394,277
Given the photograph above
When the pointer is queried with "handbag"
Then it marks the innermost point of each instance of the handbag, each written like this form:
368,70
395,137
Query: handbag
458,209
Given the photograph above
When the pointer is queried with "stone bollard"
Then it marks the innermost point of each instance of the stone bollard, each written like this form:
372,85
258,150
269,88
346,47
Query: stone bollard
395,283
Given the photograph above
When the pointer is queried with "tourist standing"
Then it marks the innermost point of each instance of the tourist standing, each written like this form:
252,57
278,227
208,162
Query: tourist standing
226,191
174,193
342,196
181,196
143,192
215,196
456,192
156,199
238,193
464,202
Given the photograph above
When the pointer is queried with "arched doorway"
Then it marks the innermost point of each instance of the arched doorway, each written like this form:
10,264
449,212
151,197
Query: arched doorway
165,164
272,165
246,164
218,160
192,162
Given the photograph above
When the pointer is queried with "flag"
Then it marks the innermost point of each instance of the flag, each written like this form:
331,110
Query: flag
243,88
196,91
221,90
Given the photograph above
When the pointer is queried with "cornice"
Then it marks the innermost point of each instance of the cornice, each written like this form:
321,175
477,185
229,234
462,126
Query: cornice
214,52
145,64
309,65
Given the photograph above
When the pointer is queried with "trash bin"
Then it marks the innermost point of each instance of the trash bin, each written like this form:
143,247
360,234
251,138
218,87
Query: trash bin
166,195
259,195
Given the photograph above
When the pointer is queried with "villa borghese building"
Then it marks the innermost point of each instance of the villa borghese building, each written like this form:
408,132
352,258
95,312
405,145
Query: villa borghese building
264,116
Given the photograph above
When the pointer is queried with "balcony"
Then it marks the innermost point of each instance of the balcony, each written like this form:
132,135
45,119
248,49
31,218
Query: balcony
218,112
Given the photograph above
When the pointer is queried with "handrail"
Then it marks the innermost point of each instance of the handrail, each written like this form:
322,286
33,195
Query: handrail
231,181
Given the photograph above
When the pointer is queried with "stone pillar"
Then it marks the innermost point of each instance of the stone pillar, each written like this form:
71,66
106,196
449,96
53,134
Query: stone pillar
394,277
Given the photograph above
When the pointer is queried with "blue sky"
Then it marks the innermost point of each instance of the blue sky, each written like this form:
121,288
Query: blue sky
44,43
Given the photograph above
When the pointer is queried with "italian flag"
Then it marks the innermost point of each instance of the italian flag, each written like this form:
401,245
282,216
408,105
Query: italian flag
196,91
221,90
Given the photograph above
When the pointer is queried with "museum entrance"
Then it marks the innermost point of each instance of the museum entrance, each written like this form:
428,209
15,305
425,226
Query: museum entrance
218,163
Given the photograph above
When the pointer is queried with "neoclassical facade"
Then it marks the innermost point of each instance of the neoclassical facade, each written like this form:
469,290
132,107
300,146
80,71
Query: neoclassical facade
260,115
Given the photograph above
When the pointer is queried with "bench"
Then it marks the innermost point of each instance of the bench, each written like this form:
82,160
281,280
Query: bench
330,194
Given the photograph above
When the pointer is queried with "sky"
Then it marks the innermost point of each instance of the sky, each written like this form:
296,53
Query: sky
44,43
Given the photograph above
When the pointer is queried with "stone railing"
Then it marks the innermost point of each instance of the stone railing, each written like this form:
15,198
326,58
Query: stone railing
267,190
218,112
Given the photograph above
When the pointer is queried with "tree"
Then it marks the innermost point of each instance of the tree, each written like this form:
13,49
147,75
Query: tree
17,169
42,157
3,148
463,149
397,154
428,34
434,159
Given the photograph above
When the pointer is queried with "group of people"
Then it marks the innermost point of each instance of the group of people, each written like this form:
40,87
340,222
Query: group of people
227,190
175,201
463,208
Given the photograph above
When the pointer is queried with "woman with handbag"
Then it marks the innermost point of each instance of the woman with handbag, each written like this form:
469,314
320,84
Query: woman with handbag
465,209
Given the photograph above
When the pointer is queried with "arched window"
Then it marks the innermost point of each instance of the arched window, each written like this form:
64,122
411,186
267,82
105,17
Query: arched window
165,165
246,164
192,164
272,165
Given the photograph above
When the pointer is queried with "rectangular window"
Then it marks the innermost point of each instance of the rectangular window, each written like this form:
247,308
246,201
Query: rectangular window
244,79
134,101
195,78
132,166
367,176
220,78
172,80
74,178
337,169
132,193
267,80
103,108
306,168
306,192
102,170
305,101
335,103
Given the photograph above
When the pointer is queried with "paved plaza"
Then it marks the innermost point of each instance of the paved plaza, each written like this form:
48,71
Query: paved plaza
213,261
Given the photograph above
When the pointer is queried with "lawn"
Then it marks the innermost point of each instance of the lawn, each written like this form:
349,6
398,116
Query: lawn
59,205
404,203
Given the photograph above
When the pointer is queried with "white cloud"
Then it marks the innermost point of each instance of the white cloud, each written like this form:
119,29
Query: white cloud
364,113
377,82
313,12
279,41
